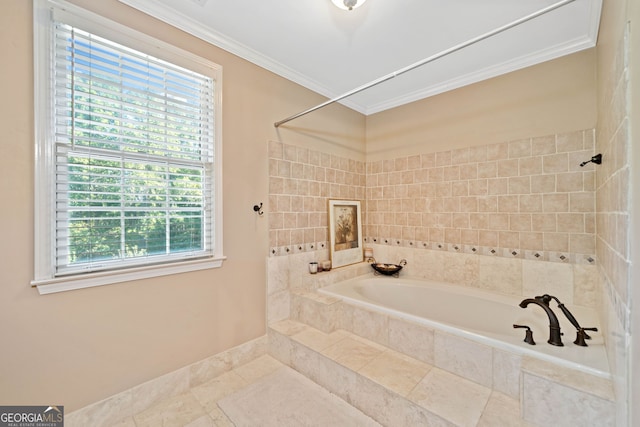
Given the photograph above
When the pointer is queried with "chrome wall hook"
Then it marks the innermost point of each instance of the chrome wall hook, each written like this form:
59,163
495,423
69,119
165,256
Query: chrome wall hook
258,209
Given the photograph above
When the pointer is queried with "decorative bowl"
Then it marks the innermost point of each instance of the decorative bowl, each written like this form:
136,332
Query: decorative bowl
388,269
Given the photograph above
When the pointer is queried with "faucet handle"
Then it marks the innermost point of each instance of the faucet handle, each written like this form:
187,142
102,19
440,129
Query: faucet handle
581,335
586,336
528,336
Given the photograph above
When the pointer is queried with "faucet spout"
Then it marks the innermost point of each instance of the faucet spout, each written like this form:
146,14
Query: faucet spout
554,325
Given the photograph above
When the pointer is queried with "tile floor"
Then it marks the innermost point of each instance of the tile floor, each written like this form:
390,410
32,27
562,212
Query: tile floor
451,399
252,395
265,392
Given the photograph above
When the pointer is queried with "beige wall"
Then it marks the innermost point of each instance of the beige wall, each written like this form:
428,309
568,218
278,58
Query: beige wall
550,98
77,347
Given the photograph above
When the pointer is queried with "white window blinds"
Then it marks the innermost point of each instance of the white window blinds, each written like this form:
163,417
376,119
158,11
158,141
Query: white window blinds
134,157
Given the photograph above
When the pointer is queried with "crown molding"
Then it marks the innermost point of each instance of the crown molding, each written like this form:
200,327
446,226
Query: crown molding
193,27
486,73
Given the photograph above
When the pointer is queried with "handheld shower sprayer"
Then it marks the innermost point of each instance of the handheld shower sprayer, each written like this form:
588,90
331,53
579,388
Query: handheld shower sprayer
582,334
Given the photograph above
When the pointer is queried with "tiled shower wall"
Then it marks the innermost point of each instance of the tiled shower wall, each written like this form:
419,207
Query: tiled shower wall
524,199
301,181
612,199
517,202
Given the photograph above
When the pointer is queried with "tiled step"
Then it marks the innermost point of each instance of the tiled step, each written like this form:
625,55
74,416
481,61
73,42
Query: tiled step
392,388
555,396
547,393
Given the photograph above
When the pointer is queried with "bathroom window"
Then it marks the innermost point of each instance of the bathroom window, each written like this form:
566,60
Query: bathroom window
127,154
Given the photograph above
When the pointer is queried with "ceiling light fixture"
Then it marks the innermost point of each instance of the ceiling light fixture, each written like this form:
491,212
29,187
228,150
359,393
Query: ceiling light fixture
348,4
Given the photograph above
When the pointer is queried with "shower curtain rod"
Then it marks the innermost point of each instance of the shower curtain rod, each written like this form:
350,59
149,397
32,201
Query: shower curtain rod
429,59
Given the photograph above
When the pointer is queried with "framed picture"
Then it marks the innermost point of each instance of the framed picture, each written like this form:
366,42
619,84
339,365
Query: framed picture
345,232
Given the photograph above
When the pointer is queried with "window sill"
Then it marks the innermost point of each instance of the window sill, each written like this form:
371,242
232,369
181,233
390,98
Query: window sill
69,283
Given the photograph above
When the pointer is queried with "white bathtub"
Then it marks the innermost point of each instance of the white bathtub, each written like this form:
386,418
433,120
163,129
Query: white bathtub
480,316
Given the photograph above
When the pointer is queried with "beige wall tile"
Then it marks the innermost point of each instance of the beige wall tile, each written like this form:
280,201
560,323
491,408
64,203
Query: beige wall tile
508,204
478,187
428,160
468,204
543,222
582,243
498,151
567,182
460,156
436,174
582,202
443,158
530,165
531,203
498,186
509,239
508,167
479,153
498,221
414,162
487,170
556,242
543,145
531,241
555,202
552,277
460,188
401,164
570,222
488,238
500,275
469,237
555,163
520,185
520,222
469,171
487,204
543,183
519,149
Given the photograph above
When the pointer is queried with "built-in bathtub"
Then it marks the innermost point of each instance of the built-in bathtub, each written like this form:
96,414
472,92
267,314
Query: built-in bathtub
479,316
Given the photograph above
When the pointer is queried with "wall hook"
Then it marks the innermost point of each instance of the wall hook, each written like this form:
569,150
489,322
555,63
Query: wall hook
258,209
597,159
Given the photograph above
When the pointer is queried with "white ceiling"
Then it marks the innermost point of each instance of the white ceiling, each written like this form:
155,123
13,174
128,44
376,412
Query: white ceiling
332,51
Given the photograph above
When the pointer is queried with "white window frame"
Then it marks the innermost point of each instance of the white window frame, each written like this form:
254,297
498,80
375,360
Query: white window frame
44,216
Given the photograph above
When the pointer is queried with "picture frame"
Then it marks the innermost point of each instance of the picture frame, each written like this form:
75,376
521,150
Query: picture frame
345,232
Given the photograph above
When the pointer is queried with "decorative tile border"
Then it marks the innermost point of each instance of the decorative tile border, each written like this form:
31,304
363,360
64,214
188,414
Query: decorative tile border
296,249
510,253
